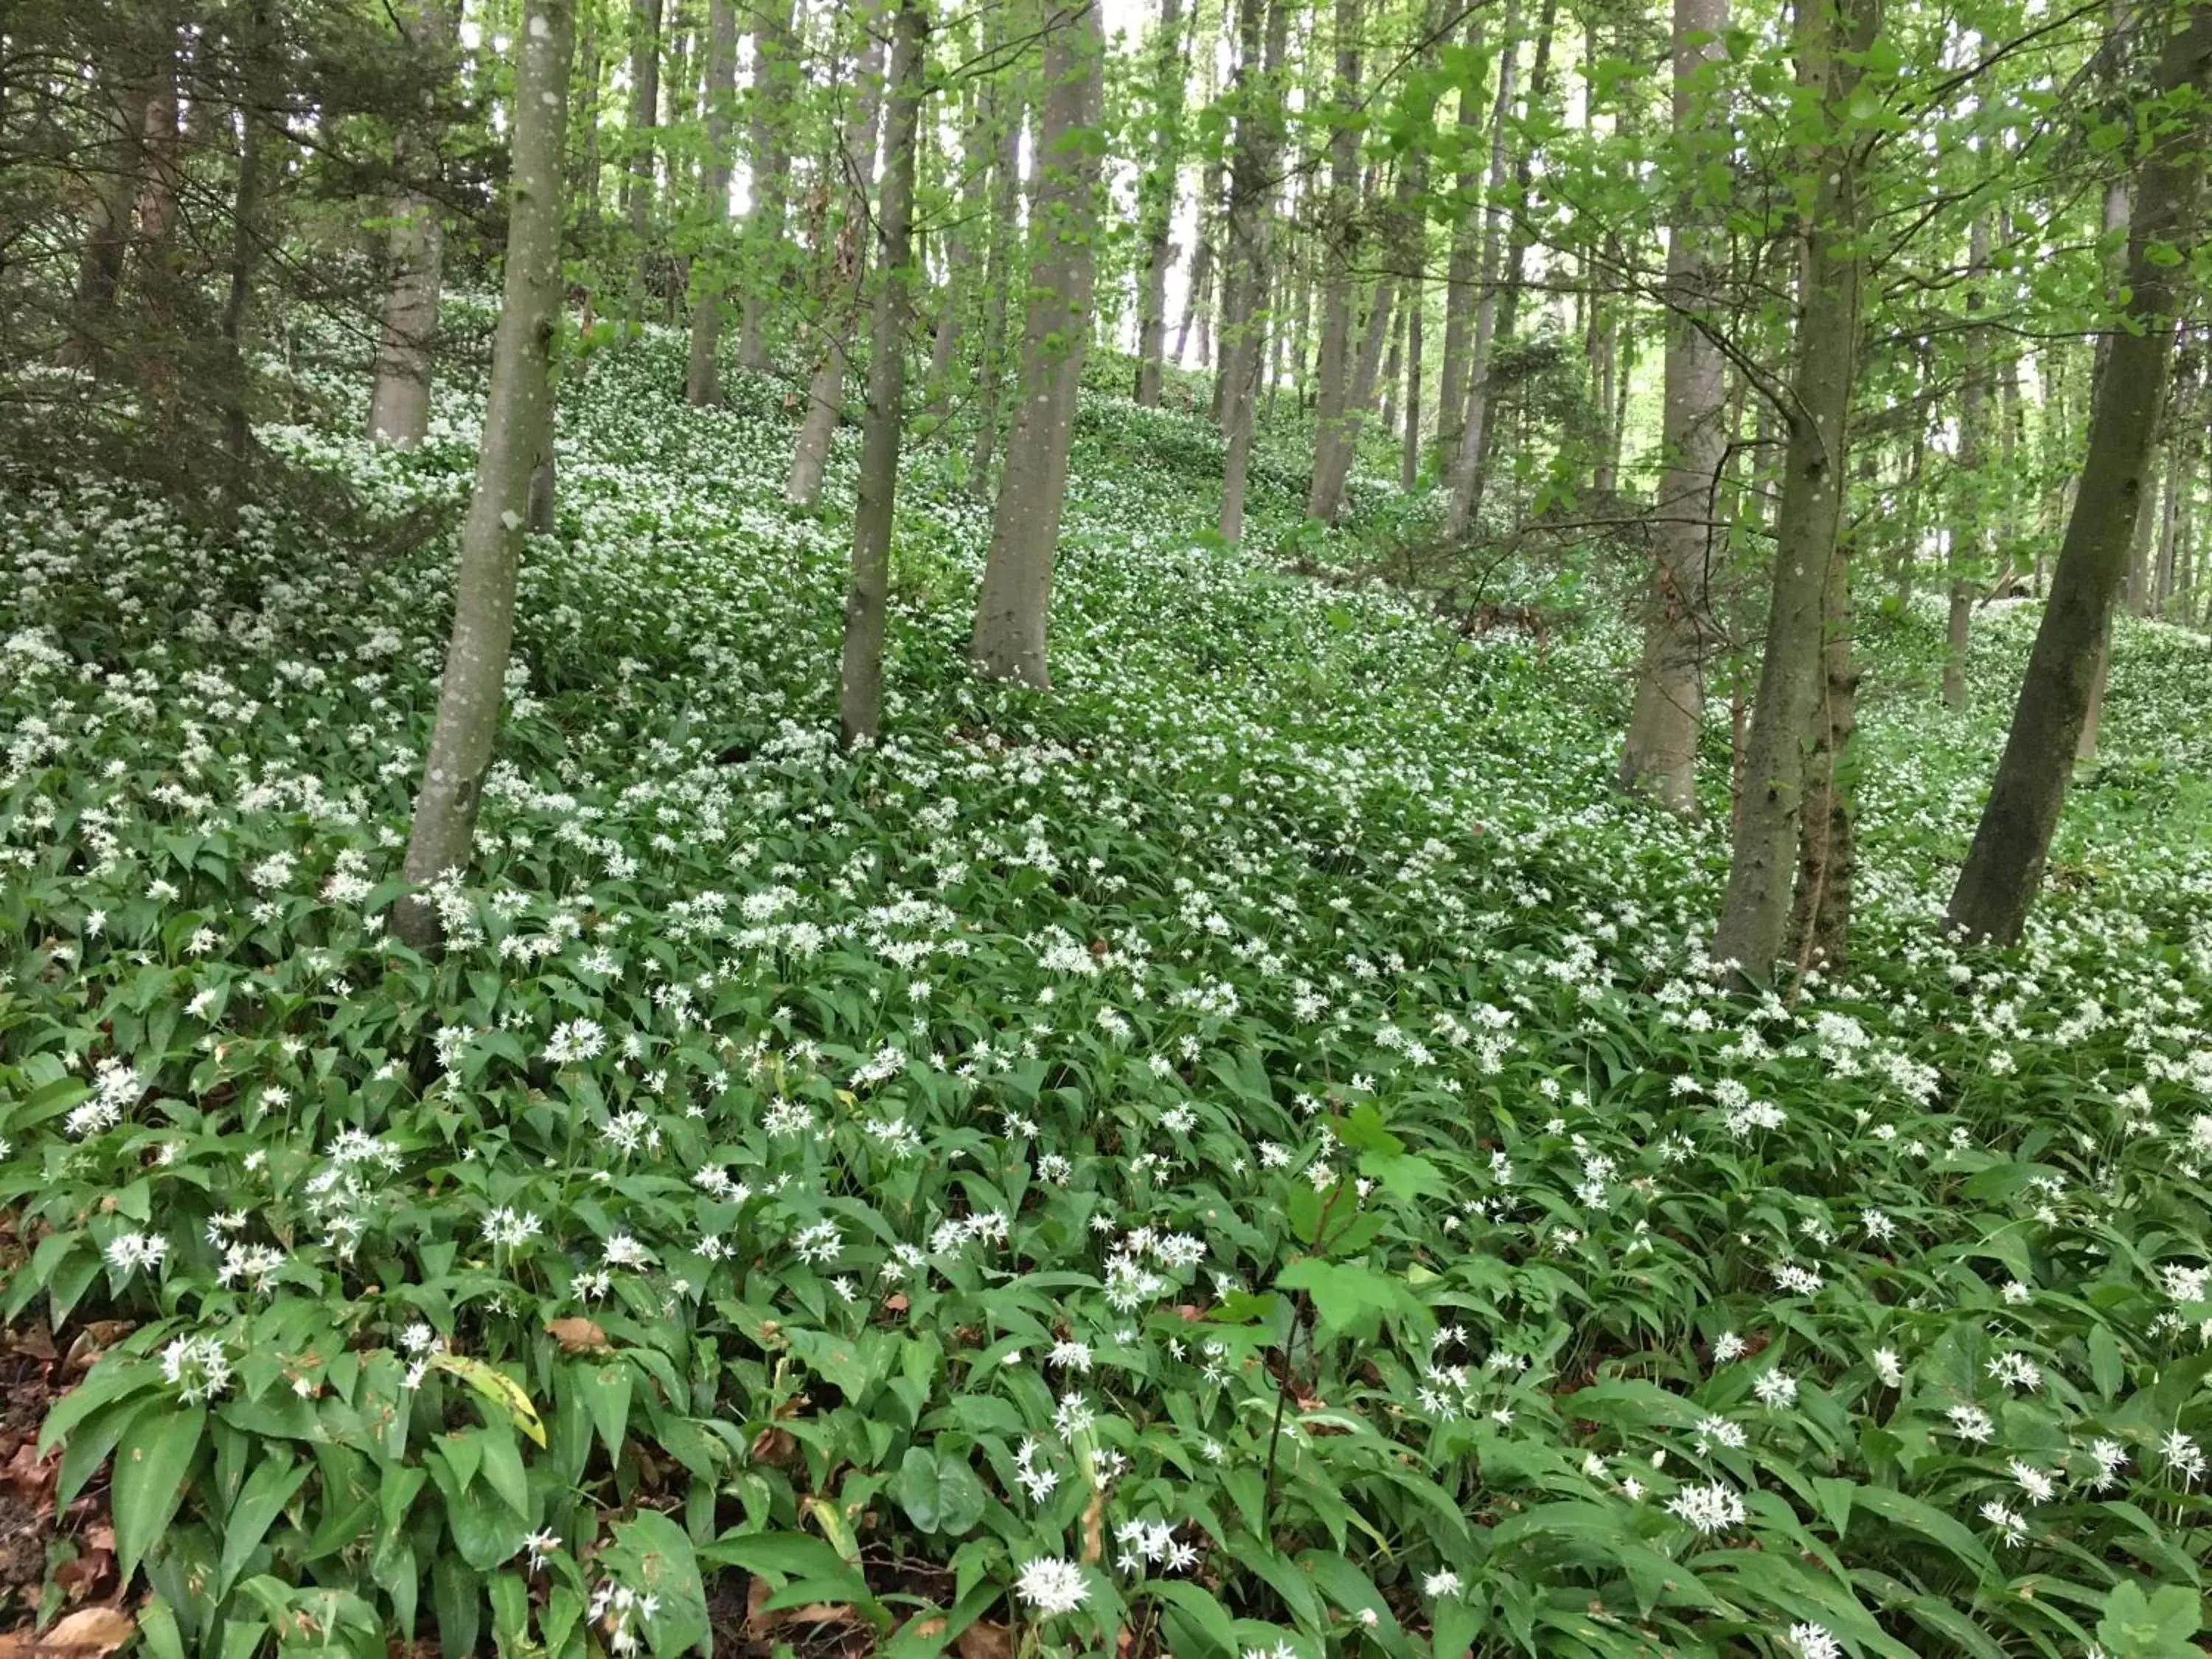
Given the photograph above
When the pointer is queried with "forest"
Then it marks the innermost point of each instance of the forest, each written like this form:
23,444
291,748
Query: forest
1217,828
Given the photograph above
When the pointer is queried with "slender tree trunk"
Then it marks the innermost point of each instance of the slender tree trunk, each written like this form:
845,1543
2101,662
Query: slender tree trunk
953,304
121,98
702,378
1969,541
248,234
1661,753
1827,844
1007,104
2004,865
400,400
517,434
1332,424
1393,367
1832,36
1259,139
1460,272
1467,457
644,118
2169,525
1009,639
855,165
860,693
776,73
1518,242
1409,463
1159,205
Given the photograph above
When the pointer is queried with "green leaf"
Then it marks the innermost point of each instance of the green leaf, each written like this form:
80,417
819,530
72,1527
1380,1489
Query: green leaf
1351,1299
267,1490
150,1465
650,1554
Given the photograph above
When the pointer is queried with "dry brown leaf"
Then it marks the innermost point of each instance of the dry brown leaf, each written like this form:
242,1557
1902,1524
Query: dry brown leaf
579,1335
85,1634
1094,1529
985,1640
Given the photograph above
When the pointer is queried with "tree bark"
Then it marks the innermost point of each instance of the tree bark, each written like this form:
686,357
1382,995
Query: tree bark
856,164
644,118
400,400
1461,267
1008,102
1333,419
1659,755
703,379
2004,865
1259,138
1827,844
1969,545
1466,456
1409,462
860,686
1832,36
1008,642
954,303
248,237
776,71
1158,205
518,434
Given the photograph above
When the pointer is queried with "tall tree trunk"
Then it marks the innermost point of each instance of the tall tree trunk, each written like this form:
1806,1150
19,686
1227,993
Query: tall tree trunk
1259,138
248,236
1518,242
1409,463
953,303
1007,104
1832,36
1828,842
703,379
518,434
1659,755
1332,423
1158,205
860,688
1009,639
2169,526
1393,365
644,118
775,76
400,400
1467,457
1461,268
120,101
2004,865
1969,548
855,164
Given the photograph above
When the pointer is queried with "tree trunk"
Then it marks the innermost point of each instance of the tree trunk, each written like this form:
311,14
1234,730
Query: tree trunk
856,165
1517,244
644,118
1333,426
1259,138
1467,457
1661,753
703,379
1009,639
1969,540
954,302
1832,36
2169,525
1007,104
1393,367
1828,847
248,236
517,434
861,690
1460,270
775,75
2004,865
1157,208
399,401
1409,463
121,98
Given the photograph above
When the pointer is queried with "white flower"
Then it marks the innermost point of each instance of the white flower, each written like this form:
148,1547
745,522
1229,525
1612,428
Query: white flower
1437,1586
1815,1642
1776,1389
196,1367
2009,1522
1053,1585
1888,1368
1710,1509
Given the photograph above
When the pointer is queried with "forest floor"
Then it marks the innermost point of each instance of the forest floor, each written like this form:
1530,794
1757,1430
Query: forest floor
1248,1129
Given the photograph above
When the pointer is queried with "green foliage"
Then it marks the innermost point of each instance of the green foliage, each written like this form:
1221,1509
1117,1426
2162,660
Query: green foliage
1246,1141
